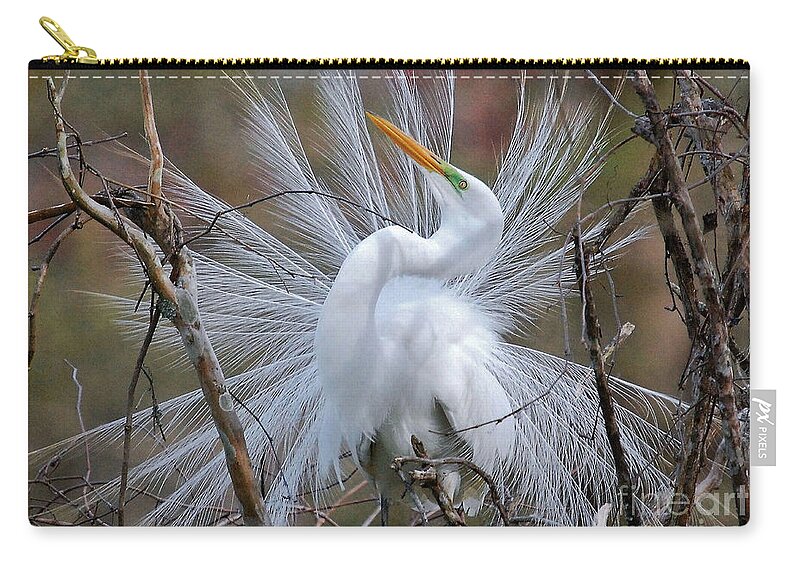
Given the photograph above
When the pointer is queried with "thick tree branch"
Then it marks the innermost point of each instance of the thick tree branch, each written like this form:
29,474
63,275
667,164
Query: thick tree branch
706,135
60,209
696,419
719,365
177,291
676,252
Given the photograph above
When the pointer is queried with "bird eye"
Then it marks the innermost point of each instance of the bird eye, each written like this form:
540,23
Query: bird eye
462,184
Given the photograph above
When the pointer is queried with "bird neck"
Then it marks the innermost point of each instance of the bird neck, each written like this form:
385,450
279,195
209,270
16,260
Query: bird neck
393,252
384,255
347,320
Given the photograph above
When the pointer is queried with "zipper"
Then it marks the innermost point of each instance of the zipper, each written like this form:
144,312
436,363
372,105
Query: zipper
73,53
79,57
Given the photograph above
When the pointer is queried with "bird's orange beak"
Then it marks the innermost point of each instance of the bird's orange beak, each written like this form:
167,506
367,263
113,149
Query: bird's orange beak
421,155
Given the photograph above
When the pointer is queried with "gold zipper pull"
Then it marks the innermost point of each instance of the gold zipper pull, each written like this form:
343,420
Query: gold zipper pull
72,52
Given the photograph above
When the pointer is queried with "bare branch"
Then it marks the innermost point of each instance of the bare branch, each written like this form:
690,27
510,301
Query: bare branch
156,155
624,331
611,96
155,314
431,479
79,411
178,299
54,151
129,233
493,490
719,365
37,289
596,354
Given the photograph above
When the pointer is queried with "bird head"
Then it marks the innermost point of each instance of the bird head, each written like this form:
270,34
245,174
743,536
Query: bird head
468,207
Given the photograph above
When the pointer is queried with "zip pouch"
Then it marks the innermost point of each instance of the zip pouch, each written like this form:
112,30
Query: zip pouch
386,292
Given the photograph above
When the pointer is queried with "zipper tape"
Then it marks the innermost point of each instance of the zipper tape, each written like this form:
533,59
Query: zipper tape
392,63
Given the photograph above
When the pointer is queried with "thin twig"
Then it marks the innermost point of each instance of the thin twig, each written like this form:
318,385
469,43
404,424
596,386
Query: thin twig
78,406
271,442
510,414
592,324
494,493
155,314
623,208
49,227
37,289
257,201
342,501
611,97
54,151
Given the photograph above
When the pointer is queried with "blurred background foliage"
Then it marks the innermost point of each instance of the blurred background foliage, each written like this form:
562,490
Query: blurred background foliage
200,125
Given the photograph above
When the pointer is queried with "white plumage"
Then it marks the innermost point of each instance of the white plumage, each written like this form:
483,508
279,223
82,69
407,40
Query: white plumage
344,334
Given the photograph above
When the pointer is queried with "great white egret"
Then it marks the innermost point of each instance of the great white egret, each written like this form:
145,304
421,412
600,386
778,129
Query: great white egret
346,330
398,354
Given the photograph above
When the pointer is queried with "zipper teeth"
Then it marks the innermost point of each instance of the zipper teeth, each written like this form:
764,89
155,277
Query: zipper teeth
368,62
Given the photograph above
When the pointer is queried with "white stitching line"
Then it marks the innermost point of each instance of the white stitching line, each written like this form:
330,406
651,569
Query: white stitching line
380,77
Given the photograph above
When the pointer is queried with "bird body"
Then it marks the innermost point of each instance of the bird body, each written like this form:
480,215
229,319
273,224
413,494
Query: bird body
387,330
398,354
413,362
